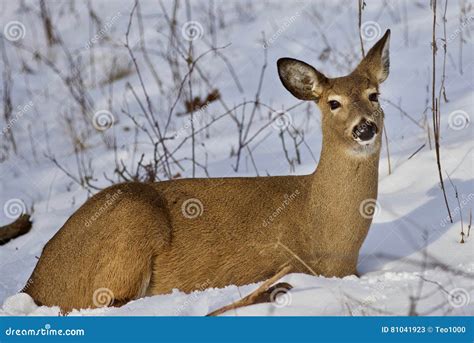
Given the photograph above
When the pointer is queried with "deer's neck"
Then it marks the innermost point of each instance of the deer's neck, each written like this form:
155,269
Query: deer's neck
345,176
341,182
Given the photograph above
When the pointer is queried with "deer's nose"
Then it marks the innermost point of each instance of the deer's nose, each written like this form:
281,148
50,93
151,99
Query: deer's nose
364,131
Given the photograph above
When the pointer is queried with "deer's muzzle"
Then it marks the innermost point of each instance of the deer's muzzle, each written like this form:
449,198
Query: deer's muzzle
364,131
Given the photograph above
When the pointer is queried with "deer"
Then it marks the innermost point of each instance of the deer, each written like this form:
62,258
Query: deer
133,240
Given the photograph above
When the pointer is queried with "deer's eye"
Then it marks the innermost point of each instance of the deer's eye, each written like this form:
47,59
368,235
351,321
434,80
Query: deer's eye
333,104
374,97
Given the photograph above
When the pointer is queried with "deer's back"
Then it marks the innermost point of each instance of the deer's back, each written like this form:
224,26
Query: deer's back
187,232
234,236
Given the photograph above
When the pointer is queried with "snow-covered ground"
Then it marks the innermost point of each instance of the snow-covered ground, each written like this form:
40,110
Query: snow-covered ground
411,262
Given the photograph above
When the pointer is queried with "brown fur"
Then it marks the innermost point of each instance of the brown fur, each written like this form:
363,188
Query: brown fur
134,239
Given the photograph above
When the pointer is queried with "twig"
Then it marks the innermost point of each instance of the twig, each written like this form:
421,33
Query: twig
7,81
415,299
460,208
417,151
292,253
147,97
470,223
436,113
403,112
360,8
388,151
442,89
48,27
253,161
261,294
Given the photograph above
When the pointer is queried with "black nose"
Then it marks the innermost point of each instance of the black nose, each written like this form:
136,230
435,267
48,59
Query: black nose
365,130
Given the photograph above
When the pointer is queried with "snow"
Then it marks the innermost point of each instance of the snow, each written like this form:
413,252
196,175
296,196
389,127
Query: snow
412,250
19,304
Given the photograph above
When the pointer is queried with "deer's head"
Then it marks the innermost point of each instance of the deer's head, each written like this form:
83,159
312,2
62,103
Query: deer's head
351,114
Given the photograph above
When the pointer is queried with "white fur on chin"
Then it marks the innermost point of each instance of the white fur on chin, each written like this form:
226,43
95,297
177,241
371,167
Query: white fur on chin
365,148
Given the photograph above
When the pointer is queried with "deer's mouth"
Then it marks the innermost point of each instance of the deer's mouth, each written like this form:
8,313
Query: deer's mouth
366,143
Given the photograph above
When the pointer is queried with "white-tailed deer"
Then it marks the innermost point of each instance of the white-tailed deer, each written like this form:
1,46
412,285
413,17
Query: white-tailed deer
132,240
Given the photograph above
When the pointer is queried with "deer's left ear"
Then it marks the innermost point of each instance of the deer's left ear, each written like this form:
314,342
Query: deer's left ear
377,61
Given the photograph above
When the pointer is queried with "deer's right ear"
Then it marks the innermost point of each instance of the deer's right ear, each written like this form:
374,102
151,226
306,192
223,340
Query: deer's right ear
300,79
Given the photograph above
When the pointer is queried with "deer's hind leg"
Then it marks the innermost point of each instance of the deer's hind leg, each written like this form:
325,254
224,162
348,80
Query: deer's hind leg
147,232
107,262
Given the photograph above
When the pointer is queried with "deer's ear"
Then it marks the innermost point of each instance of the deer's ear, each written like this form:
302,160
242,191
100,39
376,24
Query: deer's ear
377,62
300,79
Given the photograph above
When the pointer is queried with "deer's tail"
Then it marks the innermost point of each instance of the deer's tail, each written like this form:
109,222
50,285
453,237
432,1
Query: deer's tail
19,227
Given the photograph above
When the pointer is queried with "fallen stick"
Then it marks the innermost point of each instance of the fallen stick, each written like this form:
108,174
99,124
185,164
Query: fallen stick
262,294
19,227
